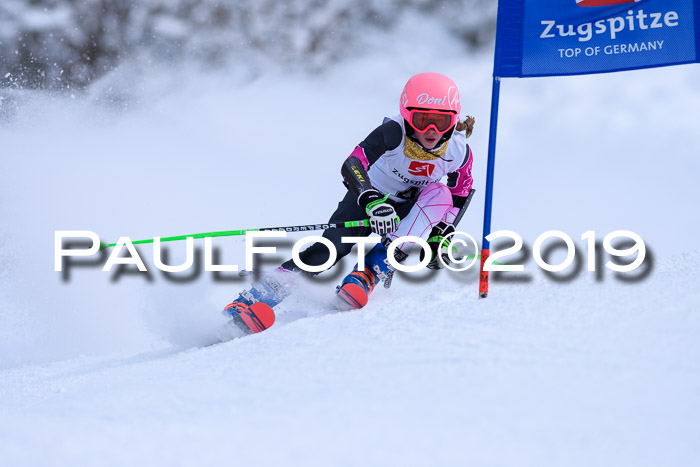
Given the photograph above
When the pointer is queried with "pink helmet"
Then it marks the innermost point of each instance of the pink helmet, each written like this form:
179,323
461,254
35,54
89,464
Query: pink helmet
430,91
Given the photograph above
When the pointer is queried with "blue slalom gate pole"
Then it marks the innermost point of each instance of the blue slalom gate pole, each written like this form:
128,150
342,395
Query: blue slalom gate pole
485,244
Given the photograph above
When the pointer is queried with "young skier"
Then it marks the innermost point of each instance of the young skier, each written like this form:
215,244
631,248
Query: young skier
393,177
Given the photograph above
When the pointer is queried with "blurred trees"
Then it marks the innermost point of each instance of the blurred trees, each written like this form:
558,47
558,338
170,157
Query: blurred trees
69,43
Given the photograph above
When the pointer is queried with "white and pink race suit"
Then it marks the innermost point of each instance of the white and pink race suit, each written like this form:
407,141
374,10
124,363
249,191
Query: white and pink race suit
412,175
408,170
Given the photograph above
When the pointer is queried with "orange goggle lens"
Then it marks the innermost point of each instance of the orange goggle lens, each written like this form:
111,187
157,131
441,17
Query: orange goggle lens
422,120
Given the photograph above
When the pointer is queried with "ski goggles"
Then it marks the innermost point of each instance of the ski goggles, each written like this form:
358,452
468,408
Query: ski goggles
422,120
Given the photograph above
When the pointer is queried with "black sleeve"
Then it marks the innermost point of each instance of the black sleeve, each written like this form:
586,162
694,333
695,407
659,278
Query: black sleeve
463,204
385,137
459,201
355,176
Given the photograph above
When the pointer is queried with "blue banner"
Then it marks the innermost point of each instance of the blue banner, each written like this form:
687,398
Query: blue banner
572,37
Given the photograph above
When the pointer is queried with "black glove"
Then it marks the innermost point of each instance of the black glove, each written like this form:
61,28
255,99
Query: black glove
382,216
439,232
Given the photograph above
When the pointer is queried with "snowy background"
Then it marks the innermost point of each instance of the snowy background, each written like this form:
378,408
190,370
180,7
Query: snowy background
111,369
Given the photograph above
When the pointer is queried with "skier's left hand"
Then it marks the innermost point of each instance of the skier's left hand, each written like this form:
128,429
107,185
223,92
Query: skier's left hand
439,232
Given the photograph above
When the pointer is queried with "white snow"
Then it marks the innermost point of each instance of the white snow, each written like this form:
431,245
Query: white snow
583,372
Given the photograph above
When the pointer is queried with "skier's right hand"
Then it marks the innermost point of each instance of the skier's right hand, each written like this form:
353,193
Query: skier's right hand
382,215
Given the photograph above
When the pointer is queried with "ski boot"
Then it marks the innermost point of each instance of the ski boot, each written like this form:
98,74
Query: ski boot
358,285
252,310
250,318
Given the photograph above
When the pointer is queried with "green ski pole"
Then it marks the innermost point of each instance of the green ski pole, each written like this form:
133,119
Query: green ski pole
231,233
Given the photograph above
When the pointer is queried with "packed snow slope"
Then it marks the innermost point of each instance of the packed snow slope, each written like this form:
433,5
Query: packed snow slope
112,369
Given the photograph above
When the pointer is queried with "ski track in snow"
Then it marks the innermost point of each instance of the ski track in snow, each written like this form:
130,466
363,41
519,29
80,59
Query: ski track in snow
558,374
111,370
